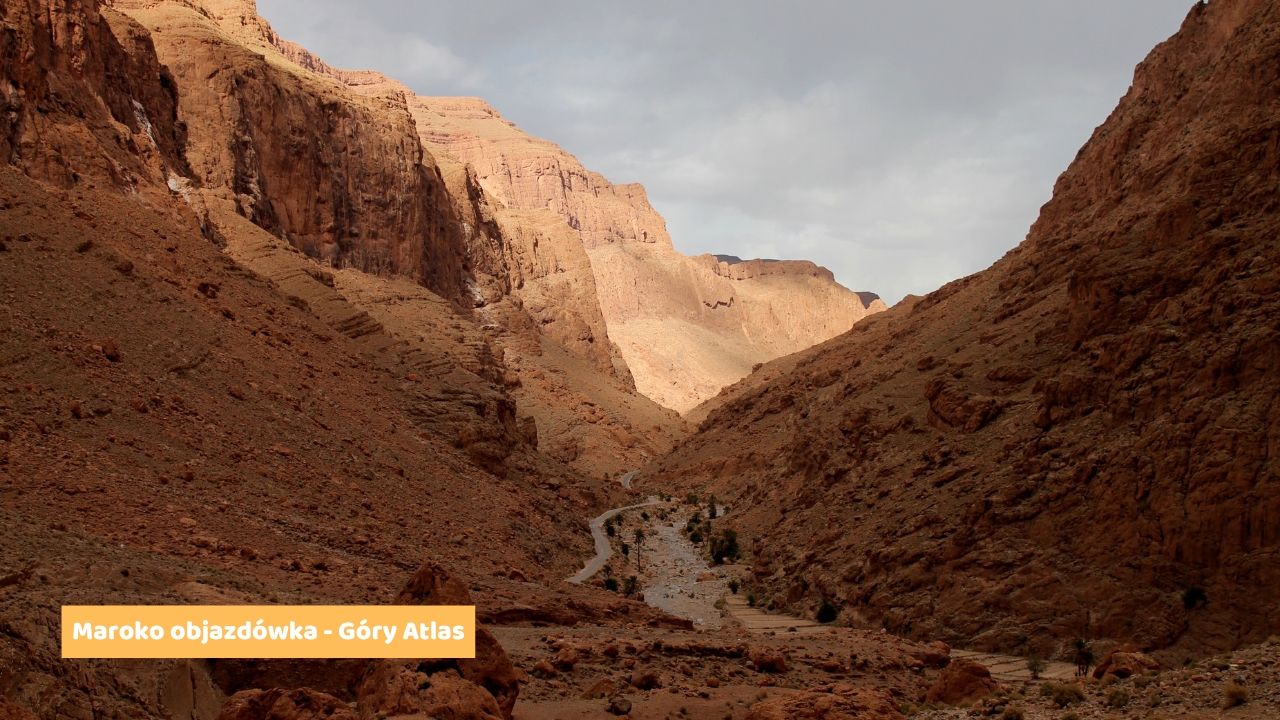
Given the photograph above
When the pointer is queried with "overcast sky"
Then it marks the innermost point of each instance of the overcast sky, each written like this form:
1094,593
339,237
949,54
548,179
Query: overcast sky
901,143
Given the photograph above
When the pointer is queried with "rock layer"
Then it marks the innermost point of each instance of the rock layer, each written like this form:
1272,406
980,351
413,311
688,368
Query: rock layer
685,326
1075,442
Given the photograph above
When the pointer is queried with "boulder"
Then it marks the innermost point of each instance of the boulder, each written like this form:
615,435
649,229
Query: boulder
566,659
936,655
962,682
840,702
602,688
645,679
433,585
767,659
1125,661
491,668
280,704
619,706
392,690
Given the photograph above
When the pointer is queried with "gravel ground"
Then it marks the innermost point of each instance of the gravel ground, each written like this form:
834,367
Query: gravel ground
1196,691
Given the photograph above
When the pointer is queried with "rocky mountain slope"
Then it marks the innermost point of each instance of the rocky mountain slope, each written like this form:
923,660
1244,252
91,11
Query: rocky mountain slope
1076,442
681,327
685,326
192,410
256,156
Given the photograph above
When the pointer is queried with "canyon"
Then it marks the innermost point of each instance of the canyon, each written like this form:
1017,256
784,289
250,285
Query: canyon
279,332
1072,443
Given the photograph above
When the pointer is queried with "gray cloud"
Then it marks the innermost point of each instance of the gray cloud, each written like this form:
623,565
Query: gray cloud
901,144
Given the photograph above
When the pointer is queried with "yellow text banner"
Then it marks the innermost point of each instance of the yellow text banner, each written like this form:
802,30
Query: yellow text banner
268,631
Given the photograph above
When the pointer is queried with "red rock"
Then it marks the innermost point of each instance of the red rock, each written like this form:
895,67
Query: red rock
936,654
767,659
645,679
846,703
394,690
603,687
279,704
1125,661
566,659
490,669
10,710
961,682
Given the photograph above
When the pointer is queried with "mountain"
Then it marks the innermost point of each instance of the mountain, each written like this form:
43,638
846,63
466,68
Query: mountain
686,326
1073,443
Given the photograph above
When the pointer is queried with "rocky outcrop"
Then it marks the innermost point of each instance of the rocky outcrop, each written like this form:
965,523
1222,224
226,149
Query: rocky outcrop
961,682
832,702
86,98
340,176
490,669
1125,661
278,704
685,326
1073,442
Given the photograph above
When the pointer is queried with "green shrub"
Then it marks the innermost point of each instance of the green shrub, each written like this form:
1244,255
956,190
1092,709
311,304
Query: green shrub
1062,694
733,585
1037,665
725,546
611,584
751,599
1071,716
691,499
1013,712
1117,698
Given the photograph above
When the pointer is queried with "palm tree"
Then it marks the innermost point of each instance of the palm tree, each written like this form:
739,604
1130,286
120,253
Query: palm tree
1084,656
639,542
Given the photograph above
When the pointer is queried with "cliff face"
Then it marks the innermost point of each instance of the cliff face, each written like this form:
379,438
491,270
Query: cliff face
685,326
1072,442
341,176
535,296
82,99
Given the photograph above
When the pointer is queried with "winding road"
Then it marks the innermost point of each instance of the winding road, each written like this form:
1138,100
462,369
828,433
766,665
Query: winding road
626,479
603,551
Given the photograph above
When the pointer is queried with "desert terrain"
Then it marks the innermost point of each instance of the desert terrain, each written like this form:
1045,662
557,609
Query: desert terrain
279,332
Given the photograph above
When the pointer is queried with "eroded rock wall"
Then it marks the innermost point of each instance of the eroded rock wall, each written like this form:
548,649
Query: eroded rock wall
685,326
85,96
1067,444
339,175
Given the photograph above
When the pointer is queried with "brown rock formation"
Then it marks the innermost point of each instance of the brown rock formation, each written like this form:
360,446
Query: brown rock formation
277,704
961,682
362,193
1125,661
685,326
1059,446
85,97
490,669
833,702
267,184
